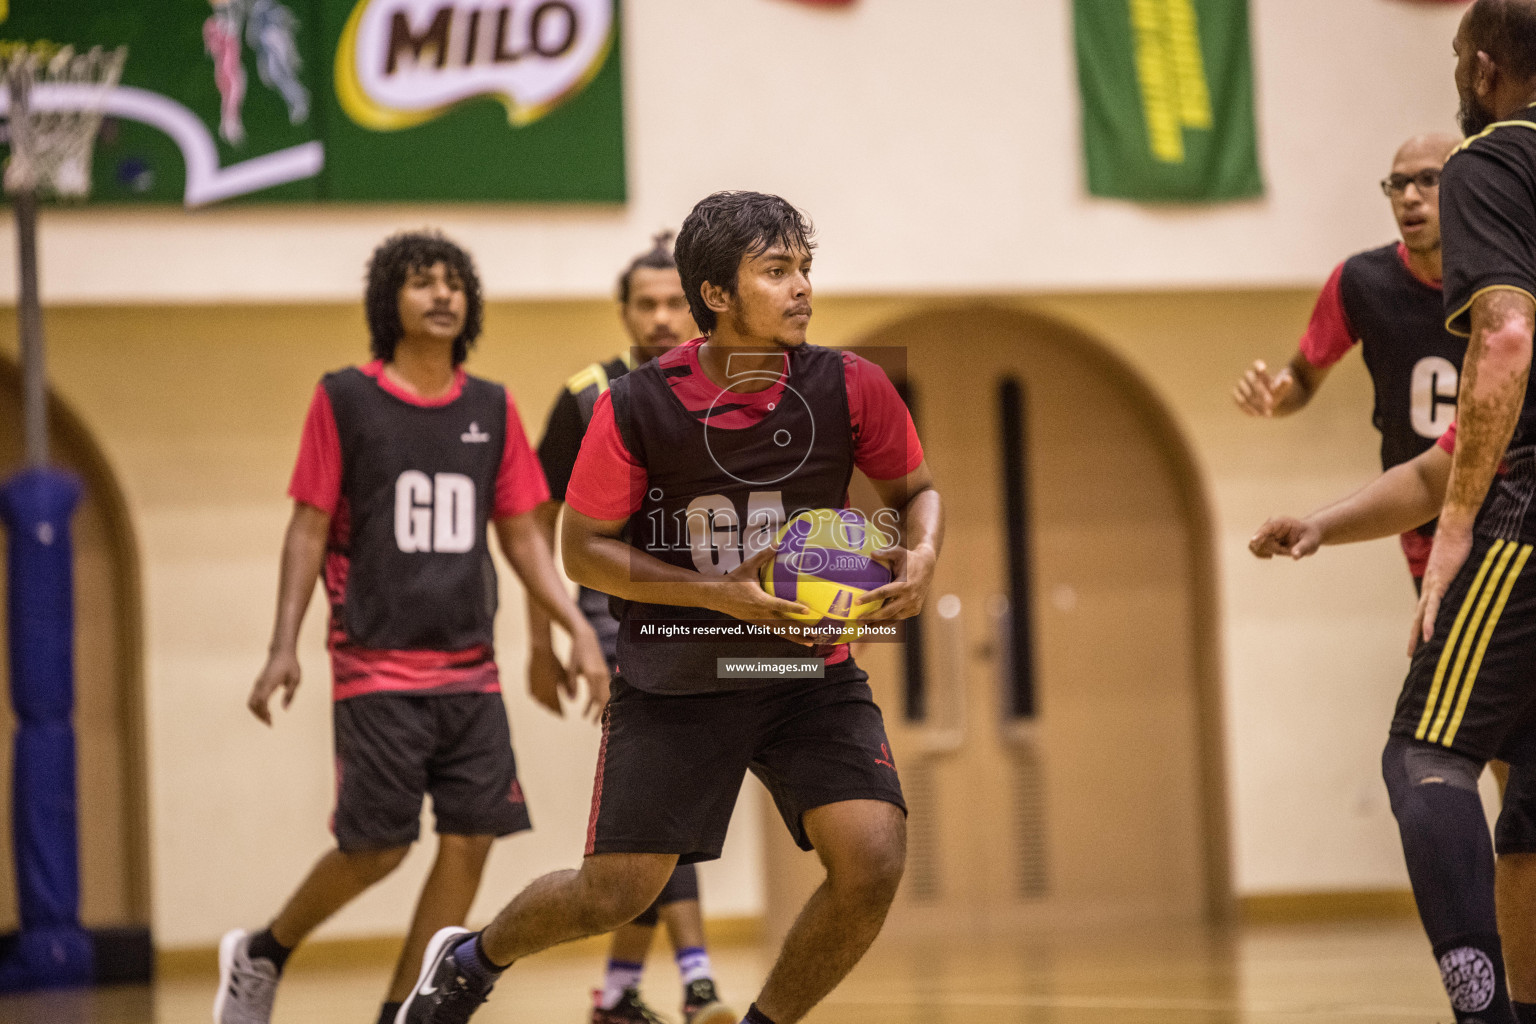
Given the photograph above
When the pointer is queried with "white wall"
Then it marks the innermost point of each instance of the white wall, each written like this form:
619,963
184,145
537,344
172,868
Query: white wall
936,145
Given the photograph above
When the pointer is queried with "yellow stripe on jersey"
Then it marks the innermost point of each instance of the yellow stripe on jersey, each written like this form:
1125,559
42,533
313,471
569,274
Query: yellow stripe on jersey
587,377
1450,641
1458,332
1482,643
1468,639
1464,144
1491,129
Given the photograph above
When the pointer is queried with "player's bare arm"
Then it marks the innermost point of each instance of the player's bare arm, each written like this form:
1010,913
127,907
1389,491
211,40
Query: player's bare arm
1403,498
547,677
303,555
1264,394
595,557
922,524
1493,381
527,549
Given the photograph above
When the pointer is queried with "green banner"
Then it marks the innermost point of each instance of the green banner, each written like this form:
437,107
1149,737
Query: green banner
349,100
1167,95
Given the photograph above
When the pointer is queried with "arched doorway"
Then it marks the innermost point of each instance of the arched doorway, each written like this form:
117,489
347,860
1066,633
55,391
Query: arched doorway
1079,780
109,698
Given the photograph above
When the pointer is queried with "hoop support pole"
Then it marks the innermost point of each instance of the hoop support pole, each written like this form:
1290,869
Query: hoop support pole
29,317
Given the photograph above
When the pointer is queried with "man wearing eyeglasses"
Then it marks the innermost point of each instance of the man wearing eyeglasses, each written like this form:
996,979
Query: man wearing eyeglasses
1389,300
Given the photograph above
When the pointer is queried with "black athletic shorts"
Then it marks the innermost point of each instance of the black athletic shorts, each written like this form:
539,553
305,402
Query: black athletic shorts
1472,687
670,766
392,749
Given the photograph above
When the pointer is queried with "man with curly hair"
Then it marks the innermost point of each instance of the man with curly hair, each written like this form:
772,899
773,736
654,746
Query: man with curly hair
403,465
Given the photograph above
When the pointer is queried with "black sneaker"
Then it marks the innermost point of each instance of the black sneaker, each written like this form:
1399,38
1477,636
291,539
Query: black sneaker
443,995
702,1005
630,1009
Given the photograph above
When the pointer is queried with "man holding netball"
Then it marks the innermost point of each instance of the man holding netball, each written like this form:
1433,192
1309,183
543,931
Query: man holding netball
722,438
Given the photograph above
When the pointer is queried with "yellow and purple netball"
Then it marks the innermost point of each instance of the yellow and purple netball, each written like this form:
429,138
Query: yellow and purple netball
825,562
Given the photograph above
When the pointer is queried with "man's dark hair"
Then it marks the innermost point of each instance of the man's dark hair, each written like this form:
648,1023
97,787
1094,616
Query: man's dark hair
725,229
1506,31
658,258
392,262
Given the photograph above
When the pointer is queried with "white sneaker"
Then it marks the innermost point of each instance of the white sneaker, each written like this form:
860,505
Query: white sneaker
246,987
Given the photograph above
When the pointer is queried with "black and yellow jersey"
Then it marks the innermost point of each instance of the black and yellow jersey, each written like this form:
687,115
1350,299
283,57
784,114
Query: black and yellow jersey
569,418
1488,230
1488,217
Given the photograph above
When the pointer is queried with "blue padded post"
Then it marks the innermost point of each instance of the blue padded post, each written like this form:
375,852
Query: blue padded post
52,949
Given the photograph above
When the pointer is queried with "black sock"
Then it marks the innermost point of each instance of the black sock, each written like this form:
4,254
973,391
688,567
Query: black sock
388,1012
1525,1013
1450,862
263,945
756,1016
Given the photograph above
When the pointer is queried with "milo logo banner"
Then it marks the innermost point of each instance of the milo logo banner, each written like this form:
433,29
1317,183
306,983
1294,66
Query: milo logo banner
349,100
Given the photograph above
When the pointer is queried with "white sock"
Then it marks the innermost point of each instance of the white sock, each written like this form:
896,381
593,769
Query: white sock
693,964
621,975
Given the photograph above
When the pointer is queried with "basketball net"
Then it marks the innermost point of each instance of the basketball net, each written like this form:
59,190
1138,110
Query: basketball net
54,101
53,112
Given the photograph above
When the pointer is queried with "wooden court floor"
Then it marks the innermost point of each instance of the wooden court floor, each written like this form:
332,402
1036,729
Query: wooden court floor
1314,974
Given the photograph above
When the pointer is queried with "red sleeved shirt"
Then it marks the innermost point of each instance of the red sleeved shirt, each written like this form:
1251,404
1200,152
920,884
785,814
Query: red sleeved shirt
1328,335
1448,439
316,480
608,483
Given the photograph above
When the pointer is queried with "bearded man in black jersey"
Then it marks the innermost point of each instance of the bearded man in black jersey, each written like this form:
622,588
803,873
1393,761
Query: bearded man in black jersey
699,455
1469,696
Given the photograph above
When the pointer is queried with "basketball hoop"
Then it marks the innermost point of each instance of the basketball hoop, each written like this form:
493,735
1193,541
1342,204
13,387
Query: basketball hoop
53,112
53,104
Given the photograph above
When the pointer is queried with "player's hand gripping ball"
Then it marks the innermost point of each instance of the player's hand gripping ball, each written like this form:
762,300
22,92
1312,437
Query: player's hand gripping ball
825,562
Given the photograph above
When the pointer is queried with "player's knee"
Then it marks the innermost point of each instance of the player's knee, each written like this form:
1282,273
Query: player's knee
870,872
373,865
610,908
614,895
1407,765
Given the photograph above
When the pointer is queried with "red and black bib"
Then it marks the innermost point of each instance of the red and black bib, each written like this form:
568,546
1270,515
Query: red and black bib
419,483
715,495
1414,362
